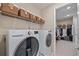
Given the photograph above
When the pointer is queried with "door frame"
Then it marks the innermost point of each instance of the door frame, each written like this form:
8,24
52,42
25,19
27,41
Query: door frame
55,8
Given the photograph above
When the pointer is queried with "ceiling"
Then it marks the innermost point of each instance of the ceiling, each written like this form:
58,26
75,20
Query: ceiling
66,11
78,8
42,5
39,6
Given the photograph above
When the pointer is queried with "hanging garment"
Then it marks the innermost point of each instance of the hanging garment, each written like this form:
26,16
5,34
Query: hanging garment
61,32
58,31
69,31
64,33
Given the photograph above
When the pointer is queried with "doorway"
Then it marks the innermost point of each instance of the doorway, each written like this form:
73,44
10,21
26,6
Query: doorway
66,30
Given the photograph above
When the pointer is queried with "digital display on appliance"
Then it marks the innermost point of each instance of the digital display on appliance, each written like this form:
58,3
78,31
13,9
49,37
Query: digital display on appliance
35,32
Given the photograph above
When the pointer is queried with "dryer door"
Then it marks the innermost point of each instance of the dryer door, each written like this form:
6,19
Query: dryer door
28,47
48,40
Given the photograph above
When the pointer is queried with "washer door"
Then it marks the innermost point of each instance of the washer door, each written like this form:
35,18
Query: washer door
28,47
48,40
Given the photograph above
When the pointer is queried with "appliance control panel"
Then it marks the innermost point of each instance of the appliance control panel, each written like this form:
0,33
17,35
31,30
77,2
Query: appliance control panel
35,32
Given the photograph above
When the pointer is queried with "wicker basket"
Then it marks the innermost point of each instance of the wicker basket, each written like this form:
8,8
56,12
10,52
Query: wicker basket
23,13
9,8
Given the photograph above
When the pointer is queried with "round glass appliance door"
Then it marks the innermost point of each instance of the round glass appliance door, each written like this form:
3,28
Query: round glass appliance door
48,40
28,47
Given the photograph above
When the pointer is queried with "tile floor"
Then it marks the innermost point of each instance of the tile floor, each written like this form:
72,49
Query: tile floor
65,48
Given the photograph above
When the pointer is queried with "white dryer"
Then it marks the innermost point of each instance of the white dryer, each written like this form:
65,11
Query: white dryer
45,43
22,43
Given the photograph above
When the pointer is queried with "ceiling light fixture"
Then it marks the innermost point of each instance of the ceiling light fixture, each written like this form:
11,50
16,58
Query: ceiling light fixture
68,8
77,12
77,3
68,15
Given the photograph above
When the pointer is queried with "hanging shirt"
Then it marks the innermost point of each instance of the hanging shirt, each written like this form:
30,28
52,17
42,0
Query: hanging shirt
64,33
72,30
58,31
61,31
69,31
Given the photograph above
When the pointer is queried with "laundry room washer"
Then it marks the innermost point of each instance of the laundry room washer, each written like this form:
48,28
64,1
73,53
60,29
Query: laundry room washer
46,43
22,43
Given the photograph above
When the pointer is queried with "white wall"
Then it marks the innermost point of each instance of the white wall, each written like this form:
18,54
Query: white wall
48,15
65,21
75,32
78,23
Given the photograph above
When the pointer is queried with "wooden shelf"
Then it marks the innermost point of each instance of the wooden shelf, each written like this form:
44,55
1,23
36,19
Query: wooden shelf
12,11
14,16
0,7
